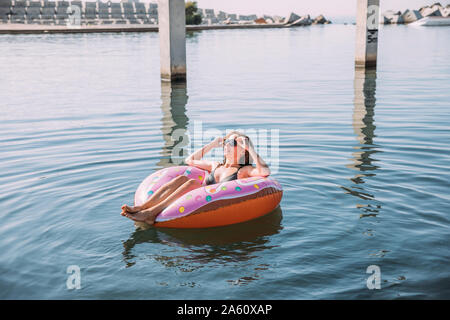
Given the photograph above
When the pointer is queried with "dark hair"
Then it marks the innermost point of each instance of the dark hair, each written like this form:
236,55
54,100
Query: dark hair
245,159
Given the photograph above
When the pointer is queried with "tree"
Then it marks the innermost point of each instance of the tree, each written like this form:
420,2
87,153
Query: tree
192,17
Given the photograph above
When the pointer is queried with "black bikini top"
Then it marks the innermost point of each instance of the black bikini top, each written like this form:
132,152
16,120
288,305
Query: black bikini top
212,180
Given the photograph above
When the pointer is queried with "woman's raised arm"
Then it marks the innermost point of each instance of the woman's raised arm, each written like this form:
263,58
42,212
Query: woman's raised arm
262,169
195,159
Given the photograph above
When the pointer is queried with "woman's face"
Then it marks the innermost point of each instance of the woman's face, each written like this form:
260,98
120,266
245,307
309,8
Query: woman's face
233,153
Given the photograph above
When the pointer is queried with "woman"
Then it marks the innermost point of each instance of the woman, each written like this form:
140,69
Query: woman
237,150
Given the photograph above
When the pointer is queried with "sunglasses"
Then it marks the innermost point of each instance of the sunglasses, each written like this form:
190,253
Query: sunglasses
232,142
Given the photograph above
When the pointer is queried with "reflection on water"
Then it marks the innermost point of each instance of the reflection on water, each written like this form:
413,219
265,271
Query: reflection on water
174,121
197,248
364,128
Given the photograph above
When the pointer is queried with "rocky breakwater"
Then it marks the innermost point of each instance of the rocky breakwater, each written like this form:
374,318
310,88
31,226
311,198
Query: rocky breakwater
295,20
211,17
409,16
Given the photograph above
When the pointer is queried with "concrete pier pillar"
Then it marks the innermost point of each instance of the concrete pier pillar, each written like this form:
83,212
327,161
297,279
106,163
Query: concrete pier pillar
367,20
172,39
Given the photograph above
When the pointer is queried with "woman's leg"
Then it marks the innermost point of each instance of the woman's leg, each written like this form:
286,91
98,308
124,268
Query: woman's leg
162,193
149,215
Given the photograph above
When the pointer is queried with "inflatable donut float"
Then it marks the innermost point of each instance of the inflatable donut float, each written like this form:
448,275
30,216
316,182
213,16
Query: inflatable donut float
212,205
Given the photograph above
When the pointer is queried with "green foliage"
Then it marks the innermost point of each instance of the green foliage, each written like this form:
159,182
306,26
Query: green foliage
192,17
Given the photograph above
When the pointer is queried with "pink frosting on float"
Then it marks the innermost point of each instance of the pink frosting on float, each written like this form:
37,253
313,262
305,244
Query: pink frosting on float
201,196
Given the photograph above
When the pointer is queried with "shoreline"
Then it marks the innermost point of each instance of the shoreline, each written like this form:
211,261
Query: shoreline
39,29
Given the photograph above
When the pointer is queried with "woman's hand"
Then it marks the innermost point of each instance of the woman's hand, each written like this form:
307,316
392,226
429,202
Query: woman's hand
217,142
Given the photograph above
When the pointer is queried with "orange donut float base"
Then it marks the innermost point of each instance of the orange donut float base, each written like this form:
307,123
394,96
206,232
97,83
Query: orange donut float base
232,213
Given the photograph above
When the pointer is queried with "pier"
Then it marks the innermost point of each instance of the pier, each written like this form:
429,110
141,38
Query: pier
39,29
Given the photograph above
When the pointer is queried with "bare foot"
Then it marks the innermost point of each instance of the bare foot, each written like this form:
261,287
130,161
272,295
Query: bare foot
148,216
130,209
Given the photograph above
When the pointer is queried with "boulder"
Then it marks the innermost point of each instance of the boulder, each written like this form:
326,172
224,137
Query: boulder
320,20
392,17
445,12
411,16
422,9
438,6
431,12
303,21
291,18
277,19
397,19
